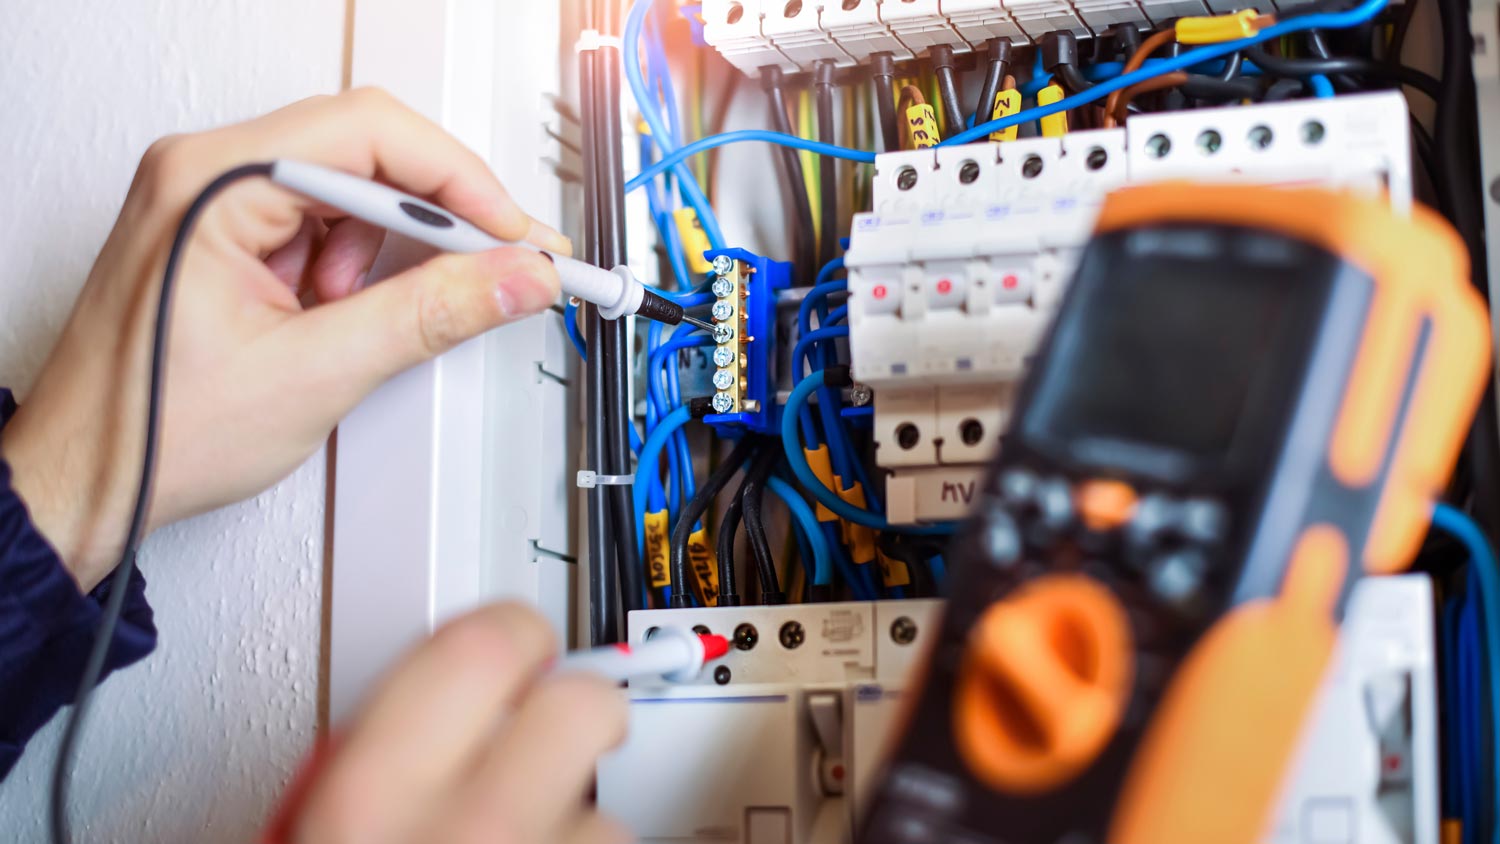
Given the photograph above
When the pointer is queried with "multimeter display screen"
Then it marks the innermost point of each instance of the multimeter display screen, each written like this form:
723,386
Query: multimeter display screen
1175,353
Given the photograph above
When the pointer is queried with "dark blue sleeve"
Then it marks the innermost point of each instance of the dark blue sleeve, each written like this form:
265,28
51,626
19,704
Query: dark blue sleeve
47,625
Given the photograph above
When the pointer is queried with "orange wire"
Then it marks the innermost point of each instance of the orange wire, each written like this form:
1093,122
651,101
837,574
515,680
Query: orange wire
1149,46
1159,83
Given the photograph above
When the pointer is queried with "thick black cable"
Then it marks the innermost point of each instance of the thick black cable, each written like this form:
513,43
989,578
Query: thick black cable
946,70
1319,49
997,65
883,85
1301,68
828,174
1399,29
1060,58
682,572
752,494
1426,154
119,585
609,147
804,233
603,576
729,528
1215,89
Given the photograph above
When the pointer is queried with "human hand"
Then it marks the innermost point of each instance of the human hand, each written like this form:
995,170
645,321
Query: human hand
468,740
273,339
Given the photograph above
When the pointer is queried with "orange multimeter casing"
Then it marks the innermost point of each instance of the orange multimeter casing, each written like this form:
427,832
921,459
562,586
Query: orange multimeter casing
1251,396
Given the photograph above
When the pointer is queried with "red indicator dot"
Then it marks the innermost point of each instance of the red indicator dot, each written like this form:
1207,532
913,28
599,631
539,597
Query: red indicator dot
838,772
1393,763
879,292
1010,282
944,287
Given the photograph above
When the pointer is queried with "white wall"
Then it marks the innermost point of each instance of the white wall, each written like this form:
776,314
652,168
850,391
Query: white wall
194,743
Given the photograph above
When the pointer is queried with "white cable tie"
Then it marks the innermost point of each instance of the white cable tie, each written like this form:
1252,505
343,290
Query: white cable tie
590,480
592,41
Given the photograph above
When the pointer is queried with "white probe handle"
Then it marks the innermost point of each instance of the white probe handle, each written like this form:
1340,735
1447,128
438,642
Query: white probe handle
674,653
616,292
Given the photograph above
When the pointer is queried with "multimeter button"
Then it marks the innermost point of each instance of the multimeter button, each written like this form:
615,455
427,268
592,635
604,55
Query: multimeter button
1155,514
1176,577
1002,539
1018,486
1203,520
1055,502
1105,505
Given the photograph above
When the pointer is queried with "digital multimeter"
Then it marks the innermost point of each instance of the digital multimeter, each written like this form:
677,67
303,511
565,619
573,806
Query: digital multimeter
1251,396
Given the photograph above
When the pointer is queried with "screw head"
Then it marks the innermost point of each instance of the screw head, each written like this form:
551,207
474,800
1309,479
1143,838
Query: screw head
907,436
971,431
723,356
1158,145
651,633
906,178
969,172
722,310
792,635
1097,158
1032,166
1313,132
723,333
861,395
746,637
723,287
903,631
1260,137
723,403
723,379
721,675
702,630
723,264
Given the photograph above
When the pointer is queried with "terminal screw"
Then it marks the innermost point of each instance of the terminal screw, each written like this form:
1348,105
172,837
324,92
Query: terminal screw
792,635
746,637
861,395
723,333
723,287
723,264
721,675
903,631
723,356
723,403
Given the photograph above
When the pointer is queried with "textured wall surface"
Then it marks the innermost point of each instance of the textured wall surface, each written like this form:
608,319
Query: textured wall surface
193,744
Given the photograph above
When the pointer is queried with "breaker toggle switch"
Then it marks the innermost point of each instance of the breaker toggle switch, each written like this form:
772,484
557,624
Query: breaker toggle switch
826,711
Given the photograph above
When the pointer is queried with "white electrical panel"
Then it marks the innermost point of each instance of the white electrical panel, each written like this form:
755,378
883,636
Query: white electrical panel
783,751
956,272
796,34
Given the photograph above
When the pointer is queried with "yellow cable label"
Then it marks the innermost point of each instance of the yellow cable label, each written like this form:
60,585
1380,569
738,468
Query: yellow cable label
705,565
694,240
860,539
1053,125
893,572
822,466
1006,104
658,550
1212,30
922,127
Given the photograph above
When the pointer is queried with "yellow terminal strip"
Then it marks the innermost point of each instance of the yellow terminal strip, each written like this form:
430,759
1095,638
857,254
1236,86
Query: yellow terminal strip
658,550
1218,28
1053,125
1007,103
694,240
822,466
922,127
861,539
703,559
892,572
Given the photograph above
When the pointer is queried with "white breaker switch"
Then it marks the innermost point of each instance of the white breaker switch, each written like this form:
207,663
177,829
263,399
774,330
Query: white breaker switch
958,269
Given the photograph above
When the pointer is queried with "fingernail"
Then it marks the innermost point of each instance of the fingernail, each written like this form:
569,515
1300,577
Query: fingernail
549,238
522,295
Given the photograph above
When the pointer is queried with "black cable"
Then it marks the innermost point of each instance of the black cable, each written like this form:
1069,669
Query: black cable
946,71
1300,68
610,175
1319,49
1060,58
1218,90
682,573
119,584
1402,25
828,174
1426,154
1232,66
883,81
804,234
996,67
752,494
729,528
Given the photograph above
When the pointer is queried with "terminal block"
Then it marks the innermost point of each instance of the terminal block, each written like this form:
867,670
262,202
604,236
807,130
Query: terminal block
956,271
744,317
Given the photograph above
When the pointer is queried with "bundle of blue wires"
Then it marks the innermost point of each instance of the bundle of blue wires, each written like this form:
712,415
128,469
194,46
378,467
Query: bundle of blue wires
1360,14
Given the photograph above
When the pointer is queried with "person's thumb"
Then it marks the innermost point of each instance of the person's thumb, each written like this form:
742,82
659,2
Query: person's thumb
361,341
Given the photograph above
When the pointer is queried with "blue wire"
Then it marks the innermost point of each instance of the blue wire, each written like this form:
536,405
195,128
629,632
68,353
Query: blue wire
1482,561
650,464
570,322
858,585
661,75
815,487
692,192
806,344
807,523
939,568
1320,85
1198,55
818,293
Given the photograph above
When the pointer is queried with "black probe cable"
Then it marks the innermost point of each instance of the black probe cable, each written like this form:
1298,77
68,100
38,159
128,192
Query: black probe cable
752,494
119,583
828,174
682,573
804,235
946,71
729,528
998,64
